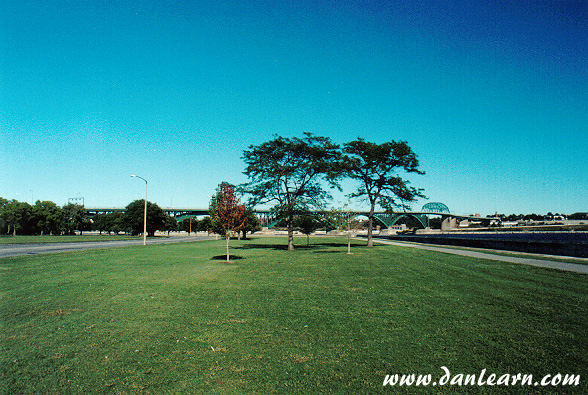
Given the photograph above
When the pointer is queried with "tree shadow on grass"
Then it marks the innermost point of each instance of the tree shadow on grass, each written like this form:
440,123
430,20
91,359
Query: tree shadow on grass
340,249
253,246
277,247
316,247
224,258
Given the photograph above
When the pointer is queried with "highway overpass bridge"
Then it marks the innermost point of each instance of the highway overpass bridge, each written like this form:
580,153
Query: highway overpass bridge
386,218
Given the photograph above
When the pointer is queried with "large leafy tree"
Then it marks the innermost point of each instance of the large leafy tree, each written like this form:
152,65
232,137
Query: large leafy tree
110,222
227,214
190,224
75,218
290,173
170,224
134,213
205,225
16,216
376,167
47,217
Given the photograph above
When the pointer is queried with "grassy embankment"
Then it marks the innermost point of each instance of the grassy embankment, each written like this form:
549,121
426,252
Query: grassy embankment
177,319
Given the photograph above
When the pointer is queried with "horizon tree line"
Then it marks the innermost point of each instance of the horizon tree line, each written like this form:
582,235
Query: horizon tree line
47,218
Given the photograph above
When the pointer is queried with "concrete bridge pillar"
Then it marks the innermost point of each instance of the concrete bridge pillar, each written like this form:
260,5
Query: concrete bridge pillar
449,223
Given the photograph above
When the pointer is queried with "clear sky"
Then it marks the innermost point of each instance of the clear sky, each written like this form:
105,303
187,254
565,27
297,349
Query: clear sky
491,95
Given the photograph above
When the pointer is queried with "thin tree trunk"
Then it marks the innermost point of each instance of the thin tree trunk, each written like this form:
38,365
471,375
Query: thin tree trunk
291,233
370,242
348,242
228,237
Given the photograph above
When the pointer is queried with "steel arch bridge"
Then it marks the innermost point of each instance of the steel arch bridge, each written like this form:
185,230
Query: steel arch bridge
435,207
390,219
422,216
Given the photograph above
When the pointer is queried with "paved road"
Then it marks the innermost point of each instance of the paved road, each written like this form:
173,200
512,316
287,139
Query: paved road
10,250
570,267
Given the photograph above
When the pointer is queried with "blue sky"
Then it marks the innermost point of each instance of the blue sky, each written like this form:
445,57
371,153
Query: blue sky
492,96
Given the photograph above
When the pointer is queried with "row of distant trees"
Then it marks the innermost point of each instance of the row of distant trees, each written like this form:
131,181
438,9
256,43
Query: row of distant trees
228,217
47,218
539,217
44,217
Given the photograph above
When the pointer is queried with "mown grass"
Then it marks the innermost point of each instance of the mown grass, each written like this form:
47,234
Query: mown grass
178,319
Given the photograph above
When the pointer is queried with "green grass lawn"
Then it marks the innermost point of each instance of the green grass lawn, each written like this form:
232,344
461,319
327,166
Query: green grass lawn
177,319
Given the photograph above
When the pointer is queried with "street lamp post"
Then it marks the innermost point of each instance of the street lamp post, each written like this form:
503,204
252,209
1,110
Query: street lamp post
145,213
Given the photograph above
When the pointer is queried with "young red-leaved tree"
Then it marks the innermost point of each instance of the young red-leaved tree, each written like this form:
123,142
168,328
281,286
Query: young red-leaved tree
226,212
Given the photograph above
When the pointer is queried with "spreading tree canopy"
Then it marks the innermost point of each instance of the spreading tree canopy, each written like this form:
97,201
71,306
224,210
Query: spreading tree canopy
375,167
111,222
288,173
133,217
47,217
15,216
75,219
